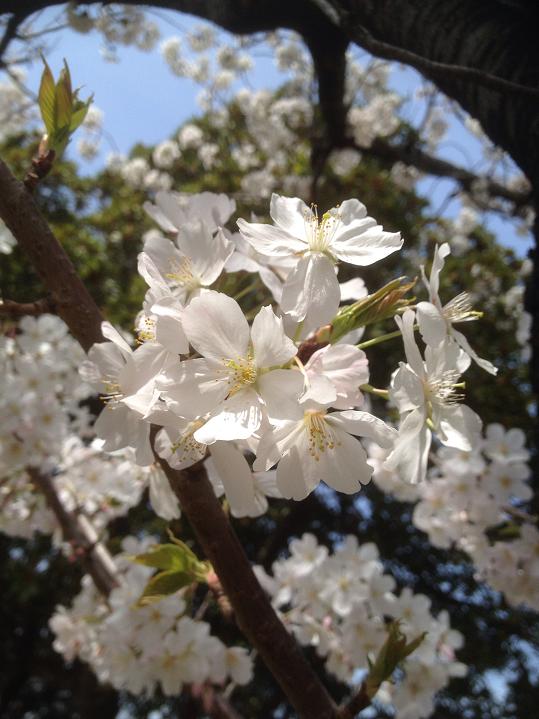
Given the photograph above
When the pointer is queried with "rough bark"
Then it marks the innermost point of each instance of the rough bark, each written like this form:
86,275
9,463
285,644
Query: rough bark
70,297
254,614
252,608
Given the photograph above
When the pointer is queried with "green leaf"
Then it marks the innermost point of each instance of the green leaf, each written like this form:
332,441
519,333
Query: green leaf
163,585
80,110
64,101
46,97
175,557
165,556
394,650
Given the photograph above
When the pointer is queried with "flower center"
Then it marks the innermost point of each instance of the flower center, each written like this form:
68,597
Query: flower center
182,274
320,233
243,371
186,446
443,389
113,392
320,436
459,309
147,332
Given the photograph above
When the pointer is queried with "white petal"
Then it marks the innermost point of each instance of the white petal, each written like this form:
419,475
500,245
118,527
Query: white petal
236,476
112,426
238,262
345,366
238,417
431,323
167,211
320,389
270,343
151,273
354,289
290,214
272,282
169,330
213,209
290,479
112,334
107,361
194,387
216,326
280,389
413,356
365,424
206,252
411,452
345,467
143,448
440,253
459,427
269,240
362,247
312,288
274,443
350,211
146,362
465,345
177,446
143,400
406,389
163,500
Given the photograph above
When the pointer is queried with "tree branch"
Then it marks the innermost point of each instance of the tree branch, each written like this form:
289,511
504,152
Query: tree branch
359,701
19,309
254,613
440,69
76,528
16,19
431,165
71,299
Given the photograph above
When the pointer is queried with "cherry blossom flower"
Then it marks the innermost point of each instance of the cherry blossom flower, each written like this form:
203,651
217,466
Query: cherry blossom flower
235,379
436,321
311,292
425,393
317,445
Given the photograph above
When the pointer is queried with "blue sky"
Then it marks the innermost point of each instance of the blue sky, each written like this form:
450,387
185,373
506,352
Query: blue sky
143,101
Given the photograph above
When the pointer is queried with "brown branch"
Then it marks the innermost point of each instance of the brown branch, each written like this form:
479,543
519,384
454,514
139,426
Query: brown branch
433,68
359,701
12,25
100,565
19,309
77,529
413,155
71,299
253,611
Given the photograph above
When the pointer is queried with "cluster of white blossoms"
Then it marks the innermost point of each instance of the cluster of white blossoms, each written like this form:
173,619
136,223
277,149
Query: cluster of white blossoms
45,426
138,648
218,385
467,496
119,25
341,604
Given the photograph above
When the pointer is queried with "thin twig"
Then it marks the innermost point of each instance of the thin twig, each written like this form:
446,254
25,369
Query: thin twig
19,309
77,529
359,701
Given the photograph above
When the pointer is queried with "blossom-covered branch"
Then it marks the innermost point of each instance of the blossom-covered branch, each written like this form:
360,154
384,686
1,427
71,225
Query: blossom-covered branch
21,215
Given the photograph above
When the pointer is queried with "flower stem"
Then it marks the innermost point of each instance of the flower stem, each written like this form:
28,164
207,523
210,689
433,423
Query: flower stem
384,393
381,338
